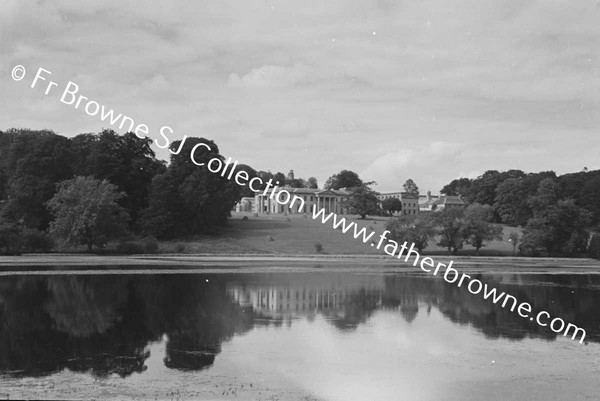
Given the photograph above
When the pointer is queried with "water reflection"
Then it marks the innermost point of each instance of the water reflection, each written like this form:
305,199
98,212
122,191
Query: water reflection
103,324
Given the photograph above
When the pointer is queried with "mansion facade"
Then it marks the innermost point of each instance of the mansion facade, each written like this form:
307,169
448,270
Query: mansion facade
333,201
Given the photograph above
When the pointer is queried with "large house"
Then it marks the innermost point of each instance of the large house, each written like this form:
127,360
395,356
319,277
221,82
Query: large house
410,201
333,201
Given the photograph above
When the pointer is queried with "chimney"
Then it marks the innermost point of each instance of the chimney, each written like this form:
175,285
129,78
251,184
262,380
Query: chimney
428,195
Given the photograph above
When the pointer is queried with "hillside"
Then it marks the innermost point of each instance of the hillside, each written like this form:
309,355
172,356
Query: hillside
295,234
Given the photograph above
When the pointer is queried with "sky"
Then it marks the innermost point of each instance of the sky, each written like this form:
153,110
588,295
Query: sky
430,90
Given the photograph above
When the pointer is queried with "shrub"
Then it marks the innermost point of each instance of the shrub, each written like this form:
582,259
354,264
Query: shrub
179,248
129,248
10,238
36,241
245,218
150,245
270,238
318,247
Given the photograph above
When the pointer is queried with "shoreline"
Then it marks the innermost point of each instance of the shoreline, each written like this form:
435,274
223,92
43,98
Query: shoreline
238,261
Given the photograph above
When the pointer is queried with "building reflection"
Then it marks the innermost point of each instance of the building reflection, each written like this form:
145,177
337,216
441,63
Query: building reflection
324,294
102,325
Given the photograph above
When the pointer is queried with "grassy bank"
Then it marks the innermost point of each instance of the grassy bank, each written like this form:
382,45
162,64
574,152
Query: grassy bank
297,235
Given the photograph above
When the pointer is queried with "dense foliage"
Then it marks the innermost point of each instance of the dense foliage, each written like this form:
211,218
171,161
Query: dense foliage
87,213
49,183
557,212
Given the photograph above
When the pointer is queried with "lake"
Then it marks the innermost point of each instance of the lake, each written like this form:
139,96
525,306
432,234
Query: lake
329,334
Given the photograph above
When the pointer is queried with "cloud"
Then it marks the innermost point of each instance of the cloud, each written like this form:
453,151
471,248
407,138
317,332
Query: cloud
270,76
392,169
441,88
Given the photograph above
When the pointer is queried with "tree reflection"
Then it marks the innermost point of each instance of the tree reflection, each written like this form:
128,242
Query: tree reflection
102,325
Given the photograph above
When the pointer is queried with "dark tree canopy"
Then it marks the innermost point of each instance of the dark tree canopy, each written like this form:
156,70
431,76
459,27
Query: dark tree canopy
410,187
32,163
312,183
87,213
539,202
363,201
458,187
343,179
188,199
415,229
450,229
391,205
279,177
125,160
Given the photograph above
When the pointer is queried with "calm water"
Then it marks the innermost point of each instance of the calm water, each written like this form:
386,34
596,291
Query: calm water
293,336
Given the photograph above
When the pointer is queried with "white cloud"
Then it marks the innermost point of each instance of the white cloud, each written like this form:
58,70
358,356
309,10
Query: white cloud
270,76
479,80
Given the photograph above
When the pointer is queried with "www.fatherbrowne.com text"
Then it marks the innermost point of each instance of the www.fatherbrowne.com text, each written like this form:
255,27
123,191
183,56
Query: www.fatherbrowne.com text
71,96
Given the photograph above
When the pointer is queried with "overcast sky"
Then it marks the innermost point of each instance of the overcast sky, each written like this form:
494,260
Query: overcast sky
428,89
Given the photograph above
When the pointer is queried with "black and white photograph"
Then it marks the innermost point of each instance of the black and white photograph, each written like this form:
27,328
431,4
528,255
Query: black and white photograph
282,200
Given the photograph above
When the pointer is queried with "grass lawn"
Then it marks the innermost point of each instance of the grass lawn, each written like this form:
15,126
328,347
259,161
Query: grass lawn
295,234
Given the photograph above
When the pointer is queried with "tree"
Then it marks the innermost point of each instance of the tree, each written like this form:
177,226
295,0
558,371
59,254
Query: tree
127,161
514,238
476,227
458,187
245,190
545,197
343,179
295,183
417,229
189,199
537,237
279,179
511,202
483,188
558,229
590,197
391,205
265,176
86,211
570,223
449,223
312,183
33,163
363,201
10,238
410,187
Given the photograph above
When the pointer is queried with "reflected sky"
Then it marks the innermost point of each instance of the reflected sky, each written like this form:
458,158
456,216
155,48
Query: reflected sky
329,336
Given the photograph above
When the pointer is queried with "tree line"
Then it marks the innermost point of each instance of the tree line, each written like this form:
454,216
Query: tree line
560,215
93,188
96,187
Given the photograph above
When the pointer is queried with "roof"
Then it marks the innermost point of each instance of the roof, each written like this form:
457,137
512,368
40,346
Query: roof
312,191
403,195
429,203
449,200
